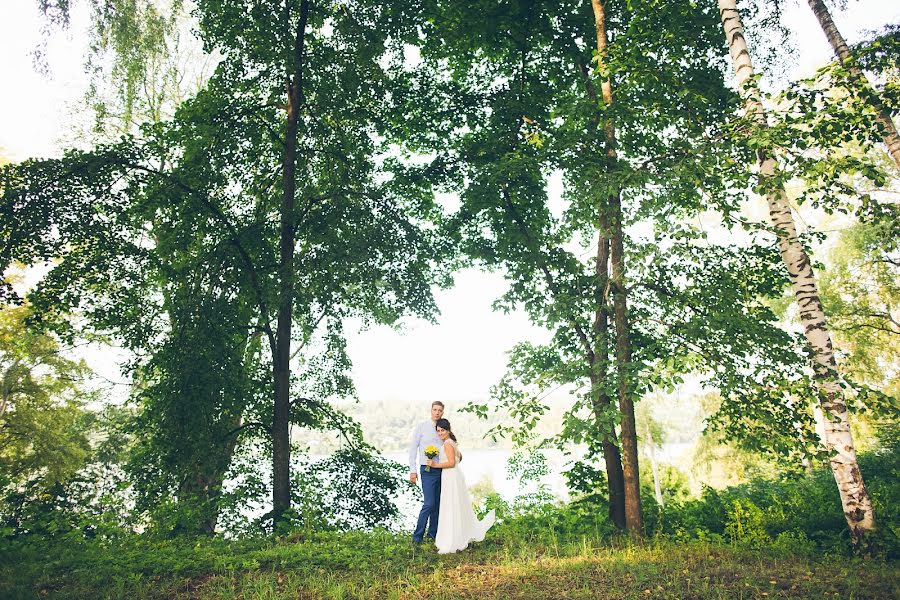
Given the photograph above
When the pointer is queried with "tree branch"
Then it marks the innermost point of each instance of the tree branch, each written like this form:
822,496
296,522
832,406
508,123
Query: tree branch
236,430
315,326
235,241
548,275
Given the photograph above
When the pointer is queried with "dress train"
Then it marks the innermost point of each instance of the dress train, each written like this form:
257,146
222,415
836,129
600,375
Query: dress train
457,524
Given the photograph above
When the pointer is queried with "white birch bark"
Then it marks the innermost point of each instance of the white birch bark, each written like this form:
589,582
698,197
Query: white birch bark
654,467
855,499
842,51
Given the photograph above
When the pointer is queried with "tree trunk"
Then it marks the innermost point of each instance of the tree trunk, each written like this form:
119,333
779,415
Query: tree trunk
615,482
600,399
597,357
201,487
216,480
281,435
633,518
855,498
654,467
615,479
870,96
613,217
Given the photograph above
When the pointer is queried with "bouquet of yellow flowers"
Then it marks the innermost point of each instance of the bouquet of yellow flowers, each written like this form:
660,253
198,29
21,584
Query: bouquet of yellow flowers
430,452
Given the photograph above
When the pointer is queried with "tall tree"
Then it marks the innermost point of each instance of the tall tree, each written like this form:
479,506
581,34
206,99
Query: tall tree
141,270
322,64
855,498
281,342
863,87
529,89
142,61
292,130
612,221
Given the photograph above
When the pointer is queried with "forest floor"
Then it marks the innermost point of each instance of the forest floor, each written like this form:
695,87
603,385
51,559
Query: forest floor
387,566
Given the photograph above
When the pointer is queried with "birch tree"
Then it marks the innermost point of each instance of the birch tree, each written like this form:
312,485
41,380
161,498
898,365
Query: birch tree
863,87
142,60
838,439
652,434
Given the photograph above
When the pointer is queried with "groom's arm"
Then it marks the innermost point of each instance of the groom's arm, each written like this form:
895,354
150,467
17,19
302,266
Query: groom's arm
414,455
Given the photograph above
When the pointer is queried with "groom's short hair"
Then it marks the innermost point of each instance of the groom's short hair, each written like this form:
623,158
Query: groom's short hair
438,403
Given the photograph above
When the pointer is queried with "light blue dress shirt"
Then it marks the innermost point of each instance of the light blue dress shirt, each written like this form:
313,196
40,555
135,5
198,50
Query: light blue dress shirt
423,435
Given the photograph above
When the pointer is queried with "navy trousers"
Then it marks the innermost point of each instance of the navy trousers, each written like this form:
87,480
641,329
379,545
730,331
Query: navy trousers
431,490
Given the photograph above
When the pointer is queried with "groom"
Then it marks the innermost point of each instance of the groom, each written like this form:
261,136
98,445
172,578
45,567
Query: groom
425,435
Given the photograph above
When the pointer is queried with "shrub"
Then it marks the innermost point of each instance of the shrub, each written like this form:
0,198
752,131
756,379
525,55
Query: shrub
804,511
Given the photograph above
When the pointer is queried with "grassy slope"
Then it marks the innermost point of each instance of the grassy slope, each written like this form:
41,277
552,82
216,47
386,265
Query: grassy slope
385,566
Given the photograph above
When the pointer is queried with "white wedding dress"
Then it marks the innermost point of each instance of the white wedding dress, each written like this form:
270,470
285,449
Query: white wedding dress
457,524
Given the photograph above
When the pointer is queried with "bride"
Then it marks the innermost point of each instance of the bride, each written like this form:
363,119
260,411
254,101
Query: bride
457,524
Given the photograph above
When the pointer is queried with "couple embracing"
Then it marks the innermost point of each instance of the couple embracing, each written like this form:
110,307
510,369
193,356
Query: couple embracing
447,512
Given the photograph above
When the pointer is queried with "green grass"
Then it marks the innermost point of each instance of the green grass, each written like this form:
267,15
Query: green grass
357,565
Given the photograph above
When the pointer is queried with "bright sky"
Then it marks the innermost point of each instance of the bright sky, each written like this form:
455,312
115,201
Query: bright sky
456,360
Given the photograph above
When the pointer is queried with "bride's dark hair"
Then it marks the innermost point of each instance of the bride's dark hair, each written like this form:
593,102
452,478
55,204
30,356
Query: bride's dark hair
445,425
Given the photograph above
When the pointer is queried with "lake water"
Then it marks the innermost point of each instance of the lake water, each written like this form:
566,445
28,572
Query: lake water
491,465
489,468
